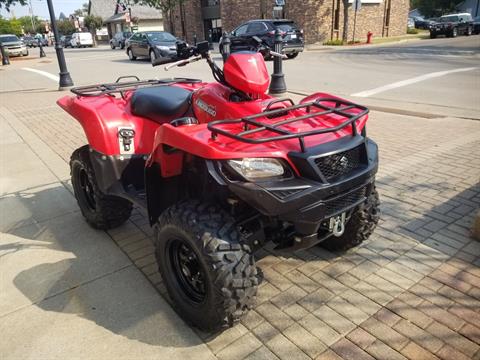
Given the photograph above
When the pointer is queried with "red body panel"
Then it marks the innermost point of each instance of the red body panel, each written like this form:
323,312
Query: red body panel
101,117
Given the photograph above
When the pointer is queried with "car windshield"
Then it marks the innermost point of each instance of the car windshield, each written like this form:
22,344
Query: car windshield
283,26
127,34
8,38
161,36
453,18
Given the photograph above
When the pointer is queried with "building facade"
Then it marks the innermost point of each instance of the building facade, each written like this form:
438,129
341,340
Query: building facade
321,20
118,16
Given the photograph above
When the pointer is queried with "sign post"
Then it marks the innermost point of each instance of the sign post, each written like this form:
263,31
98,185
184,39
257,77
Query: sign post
357,5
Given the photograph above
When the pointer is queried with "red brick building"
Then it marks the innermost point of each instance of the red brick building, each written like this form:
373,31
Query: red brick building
321,20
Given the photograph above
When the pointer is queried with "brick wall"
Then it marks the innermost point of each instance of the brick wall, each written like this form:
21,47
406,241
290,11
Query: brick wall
314,16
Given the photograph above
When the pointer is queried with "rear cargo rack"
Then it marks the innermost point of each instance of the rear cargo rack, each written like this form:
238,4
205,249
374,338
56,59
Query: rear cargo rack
251,125
123,86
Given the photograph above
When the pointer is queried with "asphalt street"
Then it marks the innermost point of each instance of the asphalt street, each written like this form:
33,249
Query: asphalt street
436,76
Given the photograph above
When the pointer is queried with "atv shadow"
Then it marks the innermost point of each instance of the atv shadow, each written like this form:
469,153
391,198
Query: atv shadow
60,264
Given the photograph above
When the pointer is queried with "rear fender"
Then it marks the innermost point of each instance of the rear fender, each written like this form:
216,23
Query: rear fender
101,117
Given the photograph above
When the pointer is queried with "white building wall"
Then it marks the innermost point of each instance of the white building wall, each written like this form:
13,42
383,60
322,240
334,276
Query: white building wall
150,25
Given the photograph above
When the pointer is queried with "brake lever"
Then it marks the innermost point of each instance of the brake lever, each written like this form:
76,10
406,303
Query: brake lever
182,62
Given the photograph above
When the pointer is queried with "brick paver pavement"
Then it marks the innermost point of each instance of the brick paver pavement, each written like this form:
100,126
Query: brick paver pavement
411,291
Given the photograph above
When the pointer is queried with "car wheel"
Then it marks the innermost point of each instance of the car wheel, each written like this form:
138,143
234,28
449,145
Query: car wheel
130,55
432,35
122,46
112,46
454,32
292,55
469,31
153,57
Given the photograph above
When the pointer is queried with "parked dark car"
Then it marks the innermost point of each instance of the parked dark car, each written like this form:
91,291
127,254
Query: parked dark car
30,41
422,23
476,25
13,45
242,37
118,40
152,44
452,25
66,41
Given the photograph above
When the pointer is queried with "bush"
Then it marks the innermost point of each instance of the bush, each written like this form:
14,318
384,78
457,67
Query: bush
412,31
333,42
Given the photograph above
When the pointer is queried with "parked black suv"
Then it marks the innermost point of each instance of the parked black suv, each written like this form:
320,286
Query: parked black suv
241,37
452,25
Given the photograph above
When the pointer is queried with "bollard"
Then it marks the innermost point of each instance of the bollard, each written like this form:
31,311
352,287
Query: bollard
42,53
277,84
226,46
5,57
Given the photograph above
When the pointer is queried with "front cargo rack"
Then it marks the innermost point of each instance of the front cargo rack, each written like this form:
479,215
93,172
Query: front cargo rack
121,87
252,126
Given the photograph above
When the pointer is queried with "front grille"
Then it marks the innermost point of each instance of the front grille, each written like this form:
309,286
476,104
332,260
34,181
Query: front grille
338,204
342,163
284,193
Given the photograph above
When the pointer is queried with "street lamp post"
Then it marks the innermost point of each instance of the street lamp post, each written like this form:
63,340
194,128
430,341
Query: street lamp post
65,79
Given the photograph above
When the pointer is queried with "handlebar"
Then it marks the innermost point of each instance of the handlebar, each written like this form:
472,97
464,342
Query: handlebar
182,62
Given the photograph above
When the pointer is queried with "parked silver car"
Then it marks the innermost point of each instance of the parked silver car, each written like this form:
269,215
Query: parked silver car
13,45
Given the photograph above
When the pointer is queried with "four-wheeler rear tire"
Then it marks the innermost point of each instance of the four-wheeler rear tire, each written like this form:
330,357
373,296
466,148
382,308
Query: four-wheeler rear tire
100,210
360,226
209,274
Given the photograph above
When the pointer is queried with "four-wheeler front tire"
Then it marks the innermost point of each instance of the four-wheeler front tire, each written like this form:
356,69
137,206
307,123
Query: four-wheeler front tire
209,274
100,210
361,225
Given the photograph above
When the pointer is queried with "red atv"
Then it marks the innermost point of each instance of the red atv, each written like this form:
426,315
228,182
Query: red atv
221,168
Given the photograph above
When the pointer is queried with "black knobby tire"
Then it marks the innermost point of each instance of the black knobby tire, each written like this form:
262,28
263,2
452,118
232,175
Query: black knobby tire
100,210
225,266
360,226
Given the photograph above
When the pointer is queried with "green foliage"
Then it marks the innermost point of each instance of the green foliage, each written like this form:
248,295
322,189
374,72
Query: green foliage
412,31
7,3
38,25
93,23
12,26
433,8
65,27
337,42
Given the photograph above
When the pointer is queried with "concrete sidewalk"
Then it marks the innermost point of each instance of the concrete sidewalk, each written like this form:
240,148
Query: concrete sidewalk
66,290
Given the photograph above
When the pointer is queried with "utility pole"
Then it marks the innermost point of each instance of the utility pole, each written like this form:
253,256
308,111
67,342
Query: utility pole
31,15
65,79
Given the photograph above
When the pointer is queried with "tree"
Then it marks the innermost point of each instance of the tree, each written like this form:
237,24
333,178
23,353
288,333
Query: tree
65,27
345,22
7,3
30,28
62,16
12,26
432,8
93,23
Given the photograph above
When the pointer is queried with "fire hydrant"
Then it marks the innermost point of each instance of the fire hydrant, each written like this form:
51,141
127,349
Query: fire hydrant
369,37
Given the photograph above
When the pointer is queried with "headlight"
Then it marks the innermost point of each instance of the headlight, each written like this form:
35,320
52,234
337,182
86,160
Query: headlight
163,48
257,168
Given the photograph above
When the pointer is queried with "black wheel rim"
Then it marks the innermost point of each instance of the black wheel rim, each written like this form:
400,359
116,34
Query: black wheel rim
187,270
86,188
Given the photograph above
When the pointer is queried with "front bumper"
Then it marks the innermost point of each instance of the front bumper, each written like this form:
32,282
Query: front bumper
307,203
17,51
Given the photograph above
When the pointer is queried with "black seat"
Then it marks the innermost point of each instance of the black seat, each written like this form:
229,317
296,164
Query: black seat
156,103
